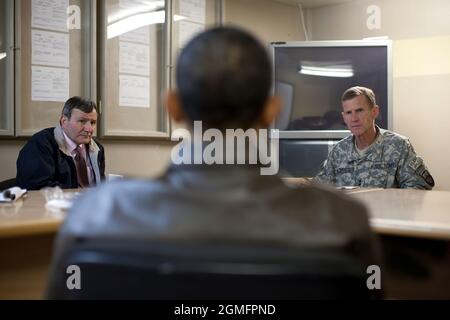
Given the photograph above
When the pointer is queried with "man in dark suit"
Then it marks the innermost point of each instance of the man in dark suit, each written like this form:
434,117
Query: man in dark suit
66,155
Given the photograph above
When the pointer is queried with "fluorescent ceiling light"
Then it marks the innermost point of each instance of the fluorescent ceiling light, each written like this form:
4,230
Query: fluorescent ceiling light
2,55
327,69
324,72
138,21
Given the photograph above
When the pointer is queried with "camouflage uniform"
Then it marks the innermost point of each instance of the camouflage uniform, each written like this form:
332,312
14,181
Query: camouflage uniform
390,162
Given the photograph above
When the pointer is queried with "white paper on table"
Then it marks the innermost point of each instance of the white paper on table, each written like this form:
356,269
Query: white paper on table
134,91
141,35
193,10
49,14
49,84
50,48
134,58
187,30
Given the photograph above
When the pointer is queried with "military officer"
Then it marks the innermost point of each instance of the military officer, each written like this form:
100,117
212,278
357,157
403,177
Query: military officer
371,156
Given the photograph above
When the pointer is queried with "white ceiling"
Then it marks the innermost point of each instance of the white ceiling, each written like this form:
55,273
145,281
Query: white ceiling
314,3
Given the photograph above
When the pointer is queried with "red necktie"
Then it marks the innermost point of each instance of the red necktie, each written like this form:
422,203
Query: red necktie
82,175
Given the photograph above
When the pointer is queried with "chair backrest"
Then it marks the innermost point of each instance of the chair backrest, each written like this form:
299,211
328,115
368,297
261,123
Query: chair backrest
208,272
9,183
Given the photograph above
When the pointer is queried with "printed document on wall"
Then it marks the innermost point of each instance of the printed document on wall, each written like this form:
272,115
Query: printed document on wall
193,10
49,84
49,14
134,58
141,35
187,30
134,91
50,48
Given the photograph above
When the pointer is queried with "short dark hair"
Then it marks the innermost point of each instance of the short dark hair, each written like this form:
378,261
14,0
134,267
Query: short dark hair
80,103
357,91
224,78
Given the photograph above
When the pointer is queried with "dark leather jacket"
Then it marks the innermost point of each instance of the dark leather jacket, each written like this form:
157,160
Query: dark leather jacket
220,203
45,162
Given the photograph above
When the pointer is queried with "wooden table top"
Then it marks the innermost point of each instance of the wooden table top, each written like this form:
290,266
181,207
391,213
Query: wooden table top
407,212
401,212
28,216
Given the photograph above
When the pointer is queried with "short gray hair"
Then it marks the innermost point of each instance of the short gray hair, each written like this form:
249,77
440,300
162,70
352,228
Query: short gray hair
357,91
80,103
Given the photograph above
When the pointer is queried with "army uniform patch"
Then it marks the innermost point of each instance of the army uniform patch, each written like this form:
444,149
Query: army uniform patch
415,164
428,178
425,174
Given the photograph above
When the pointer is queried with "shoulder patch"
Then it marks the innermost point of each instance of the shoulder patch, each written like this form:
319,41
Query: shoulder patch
428,178
415,164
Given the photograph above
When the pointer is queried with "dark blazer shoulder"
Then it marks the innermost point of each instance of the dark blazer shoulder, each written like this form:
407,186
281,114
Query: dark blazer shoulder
45,135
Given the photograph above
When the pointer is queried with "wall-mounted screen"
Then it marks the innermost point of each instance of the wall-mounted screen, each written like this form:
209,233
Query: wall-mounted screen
311,76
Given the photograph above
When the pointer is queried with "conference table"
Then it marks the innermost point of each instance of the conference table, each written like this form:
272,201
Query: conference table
414,228
27,233
413,219
405,212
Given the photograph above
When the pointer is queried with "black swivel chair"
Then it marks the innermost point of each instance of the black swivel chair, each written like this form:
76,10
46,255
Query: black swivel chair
142,271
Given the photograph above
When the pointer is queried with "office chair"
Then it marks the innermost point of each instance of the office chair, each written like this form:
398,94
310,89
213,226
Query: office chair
207,272
9,183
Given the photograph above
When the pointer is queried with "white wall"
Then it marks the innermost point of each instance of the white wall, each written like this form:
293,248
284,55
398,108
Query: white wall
268,19
9,151
420,31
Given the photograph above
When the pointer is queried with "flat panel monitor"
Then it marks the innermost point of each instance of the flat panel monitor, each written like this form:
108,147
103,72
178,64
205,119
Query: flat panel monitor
303,158
311,77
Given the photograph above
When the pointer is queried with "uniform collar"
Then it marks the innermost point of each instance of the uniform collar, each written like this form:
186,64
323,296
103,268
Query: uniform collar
374,151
